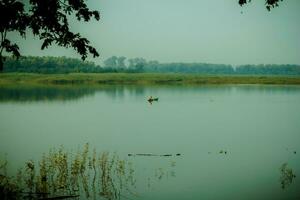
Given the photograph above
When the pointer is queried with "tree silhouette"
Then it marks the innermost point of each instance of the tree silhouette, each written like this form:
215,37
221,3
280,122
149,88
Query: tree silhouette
48,20
269,3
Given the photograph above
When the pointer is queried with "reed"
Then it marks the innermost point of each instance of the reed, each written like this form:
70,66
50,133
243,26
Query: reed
59,174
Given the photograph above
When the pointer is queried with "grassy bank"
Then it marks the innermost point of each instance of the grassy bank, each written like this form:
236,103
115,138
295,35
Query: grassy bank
142,78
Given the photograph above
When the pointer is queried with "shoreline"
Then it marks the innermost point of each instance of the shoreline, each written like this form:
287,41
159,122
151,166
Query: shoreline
143,79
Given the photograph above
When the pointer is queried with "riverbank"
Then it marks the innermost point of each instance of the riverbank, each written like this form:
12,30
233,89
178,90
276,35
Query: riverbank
141,79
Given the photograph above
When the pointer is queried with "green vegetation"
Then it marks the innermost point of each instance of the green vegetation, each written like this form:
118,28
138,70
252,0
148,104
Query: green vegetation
48,20
114,64
63,175
140,78
49,65
287,176
84,174
62,70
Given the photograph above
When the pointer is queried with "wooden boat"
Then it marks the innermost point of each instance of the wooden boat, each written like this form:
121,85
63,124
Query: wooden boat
152,99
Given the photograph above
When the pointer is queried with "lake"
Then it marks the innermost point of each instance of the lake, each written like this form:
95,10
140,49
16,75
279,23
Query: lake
204,142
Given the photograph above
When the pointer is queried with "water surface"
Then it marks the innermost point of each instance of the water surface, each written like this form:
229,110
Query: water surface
257,126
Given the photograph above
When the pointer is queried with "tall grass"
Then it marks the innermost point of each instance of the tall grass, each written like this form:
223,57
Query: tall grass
142,78
60,174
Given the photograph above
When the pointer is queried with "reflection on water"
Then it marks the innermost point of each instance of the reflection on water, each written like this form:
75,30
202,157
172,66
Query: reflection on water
24,94
64,93
83,175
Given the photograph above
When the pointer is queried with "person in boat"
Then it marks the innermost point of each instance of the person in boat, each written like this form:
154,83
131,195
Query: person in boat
150,99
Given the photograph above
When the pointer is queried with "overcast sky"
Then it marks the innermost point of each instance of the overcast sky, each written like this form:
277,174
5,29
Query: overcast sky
213,31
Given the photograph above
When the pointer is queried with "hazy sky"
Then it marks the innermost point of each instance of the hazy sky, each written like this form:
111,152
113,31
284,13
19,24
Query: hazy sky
213,31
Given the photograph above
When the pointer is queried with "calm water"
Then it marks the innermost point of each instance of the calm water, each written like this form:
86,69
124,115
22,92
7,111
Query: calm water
258,127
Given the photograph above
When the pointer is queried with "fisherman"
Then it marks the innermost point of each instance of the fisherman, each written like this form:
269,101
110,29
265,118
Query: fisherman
150,99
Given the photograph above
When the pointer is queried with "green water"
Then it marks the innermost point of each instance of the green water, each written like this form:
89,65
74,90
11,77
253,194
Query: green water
257,126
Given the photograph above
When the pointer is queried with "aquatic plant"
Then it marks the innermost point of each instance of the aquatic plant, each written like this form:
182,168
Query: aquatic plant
8,186
86,174
63,175
287,176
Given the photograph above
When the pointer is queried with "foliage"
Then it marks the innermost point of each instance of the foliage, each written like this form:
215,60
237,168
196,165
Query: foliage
50,65
287,176
269,3
61,175
269,69
8,187
48,20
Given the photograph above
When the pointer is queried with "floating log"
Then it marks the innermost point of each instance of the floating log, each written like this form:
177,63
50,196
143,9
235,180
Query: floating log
150,154
166,155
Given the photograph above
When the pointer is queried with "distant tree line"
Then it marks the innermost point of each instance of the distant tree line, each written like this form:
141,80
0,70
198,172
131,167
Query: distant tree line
49,65
136,65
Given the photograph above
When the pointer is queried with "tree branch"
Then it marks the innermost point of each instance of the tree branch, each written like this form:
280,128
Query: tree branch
3,36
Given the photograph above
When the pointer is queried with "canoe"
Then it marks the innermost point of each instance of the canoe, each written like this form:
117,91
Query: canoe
153,99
